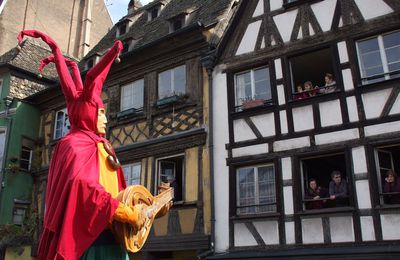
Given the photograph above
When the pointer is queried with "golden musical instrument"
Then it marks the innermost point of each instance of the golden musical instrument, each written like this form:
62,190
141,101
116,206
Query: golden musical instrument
133,240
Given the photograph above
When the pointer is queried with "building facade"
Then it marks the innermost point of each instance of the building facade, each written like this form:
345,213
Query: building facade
275,132
76,26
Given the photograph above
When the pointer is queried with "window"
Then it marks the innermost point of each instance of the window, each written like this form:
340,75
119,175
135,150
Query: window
172,82
122,29
90,63
177,22
62,125
132,173
387,159
153,13
309,70
256,190
132,95
19,211
25,160
1,85
251,87
170,170
320,169
379,57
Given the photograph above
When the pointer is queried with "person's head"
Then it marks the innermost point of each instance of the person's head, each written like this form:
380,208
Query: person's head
336,177
101,121
328,78
308,85
391,176
312,183
299,88
170,178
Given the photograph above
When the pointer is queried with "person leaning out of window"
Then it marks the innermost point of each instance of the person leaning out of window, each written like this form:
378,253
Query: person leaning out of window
392,185
330,84
315,195
338,190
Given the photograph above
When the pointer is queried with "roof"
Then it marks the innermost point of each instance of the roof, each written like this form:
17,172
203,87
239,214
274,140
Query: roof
206,12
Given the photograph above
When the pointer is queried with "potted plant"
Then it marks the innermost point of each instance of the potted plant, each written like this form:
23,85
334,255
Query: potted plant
252,102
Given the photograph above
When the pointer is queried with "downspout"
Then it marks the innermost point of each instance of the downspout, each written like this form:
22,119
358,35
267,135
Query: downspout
208,62
7,102
86,24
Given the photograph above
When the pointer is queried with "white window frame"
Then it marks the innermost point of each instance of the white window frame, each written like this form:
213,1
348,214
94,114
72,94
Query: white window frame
382,53
256,190
1,85
131,180
125,105
27,149
379,168
158,172
238,101
172,83
66,123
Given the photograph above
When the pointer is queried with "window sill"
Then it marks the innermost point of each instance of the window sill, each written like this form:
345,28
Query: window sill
167,101
325,211
129,113
314,97
255,216
240,109
388,207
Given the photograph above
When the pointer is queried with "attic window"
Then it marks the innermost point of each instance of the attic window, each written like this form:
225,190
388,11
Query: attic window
122,29
177,22
126,45
91,61
154,11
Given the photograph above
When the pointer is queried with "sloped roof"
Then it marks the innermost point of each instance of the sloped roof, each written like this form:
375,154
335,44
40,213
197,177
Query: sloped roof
205,12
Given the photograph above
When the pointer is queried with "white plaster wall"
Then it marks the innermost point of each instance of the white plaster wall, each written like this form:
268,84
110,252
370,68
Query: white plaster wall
324,12
289,232
259,9
338,136
290,144
390,226
281,94
367,228
382,128
288,199
275,4
373,8
242,236
278,69
352,108
330,113
285,22
303,118
374,102
342,49
347,80
359,160
341,229
396,106
250,150
269,231
242,130
221,137
283,121
286,168
312,231
265,123
249,39
363,194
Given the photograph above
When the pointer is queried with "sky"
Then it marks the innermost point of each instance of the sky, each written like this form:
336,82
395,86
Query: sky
119,8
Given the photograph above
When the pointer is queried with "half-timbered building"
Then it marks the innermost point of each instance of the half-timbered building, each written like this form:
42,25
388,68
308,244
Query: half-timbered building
303,89
157,104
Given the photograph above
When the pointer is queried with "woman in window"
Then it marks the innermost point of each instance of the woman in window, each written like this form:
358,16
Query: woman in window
300,93
391,189
330,84
310,90
316,194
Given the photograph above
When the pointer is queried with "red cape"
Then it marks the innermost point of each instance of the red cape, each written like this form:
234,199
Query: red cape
78,208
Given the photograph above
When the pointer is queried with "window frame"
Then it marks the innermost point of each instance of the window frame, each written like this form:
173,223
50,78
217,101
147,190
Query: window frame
29,161
132,166
172,82
180,156
1,85
64,110
386,75
131,105
256,194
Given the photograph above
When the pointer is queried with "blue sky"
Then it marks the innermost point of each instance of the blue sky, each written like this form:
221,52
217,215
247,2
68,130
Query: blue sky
118,8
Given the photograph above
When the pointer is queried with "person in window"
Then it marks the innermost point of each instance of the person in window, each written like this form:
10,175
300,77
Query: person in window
392,185
330,84
172,183
300,94
310,90
316,193
338,190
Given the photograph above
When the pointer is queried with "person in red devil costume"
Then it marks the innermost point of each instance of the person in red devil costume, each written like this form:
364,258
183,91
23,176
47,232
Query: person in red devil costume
84,176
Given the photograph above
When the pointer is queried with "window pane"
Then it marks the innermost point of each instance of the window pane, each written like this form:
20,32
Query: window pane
243,87
164,84
370,58
136,174
391,40
180,80
266,184
127,173
246,187
137,94
262,84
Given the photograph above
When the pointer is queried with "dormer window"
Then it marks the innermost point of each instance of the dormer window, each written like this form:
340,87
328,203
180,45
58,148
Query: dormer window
92,61
179,21
154,11
123,27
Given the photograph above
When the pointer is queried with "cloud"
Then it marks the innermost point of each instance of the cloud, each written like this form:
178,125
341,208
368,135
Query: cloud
119,8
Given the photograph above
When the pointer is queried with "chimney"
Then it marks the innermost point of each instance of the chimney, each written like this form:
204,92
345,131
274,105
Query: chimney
133,6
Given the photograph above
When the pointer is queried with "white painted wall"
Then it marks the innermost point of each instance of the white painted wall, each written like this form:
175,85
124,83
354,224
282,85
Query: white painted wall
283,121
269,231
347,80
312,231
303,118
289,232
259,9
367,228
281,94
363,194
379,129
265,124
324,12
338,136
275,4
242,130
221,138
249,39
390,226
286,168
374,102
242,235
359,160
250,150
330,113
352,108
284,22
373,8
396,107
278,69
290,144
342,49
341,229
288,199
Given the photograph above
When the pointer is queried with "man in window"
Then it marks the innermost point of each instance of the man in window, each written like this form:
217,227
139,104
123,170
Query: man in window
338,190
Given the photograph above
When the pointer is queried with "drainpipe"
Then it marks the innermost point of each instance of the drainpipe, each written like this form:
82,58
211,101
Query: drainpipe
208,62
7,102
86,24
